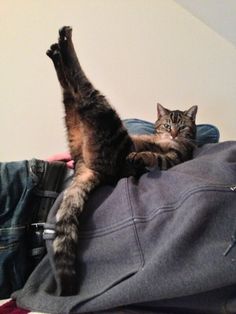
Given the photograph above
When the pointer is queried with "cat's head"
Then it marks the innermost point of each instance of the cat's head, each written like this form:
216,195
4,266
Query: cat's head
175,125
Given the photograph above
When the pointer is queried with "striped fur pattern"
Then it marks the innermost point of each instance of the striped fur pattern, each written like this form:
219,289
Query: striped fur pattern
103,151
172,143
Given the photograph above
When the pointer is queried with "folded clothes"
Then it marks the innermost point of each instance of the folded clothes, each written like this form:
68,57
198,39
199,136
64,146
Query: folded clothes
152,244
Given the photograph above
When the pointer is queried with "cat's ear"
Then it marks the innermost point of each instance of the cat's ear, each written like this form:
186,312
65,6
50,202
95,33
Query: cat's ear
191,112
161,111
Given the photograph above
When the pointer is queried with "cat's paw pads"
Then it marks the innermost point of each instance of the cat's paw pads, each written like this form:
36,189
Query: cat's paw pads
65,33
54,51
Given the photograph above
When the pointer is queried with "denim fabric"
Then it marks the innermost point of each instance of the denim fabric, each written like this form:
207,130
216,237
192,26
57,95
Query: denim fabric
24,203
206,133
16,184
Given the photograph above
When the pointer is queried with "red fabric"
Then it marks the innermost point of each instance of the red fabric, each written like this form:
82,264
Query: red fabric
62,157
11,308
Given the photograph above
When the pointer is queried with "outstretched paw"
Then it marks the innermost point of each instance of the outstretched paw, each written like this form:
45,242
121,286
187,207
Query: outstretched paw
65,33
136,160
53,52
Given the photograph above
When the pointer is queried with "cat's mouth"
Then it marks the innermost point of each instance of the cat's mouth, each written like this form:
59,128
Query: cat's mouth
168,139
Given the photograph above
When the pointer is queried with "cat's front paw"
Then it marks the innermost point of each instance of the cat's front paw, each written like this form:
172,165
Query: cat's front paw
136,160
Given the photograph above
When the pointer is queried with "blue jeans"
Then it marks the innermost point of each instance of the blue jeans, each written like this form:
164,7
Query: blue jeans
28,189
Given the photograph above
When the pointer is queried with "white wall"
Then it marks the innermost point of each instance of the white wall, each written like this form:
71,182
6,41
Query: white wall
220,15
137,52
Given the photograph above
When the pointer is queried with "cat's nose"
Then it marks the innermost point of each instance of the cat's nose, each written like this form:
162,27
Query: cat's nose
174,133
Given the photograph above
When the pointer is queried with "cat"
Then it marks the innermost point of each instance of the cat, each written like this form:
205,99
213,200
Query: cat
103,150
172,142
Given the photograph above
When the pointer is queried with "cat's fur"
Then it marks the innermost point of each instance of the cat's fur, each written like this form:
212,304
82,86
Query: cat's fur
103,150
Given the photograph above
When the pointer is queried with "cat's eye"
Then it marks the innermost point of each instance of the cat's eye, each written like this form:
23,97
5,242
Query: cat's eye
166,126
181,128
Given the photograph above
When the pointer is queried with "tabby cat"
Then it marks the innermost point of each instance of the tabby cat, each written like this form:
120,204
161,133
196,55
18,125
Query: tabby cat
103,150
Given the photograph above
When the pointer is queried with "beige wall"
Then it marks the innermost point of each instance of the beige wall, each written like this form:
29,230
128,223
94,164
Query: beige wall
137,52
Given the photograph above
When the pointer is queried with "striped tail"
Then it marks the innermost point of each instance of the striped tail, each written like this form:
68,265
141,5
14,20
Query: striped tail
67,229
